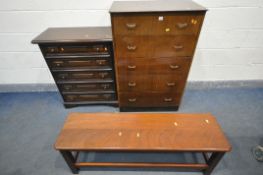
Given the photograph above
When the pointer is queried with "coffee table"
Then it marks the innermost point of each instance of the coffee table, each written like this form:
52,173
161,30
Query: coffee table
142,132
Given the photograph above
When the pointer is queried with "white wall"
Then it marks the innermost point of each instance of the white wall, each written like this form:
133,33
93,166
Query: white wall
230,46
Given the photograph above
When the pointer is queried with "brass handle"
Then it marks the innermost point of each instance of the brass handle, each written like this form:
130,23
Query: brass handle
67,87
103,75
52,50
100,62
178,46
58,63
168,99
131,84
131,25
63,75
132,99
105,86
71,97
129,47
170,84
131,67
61,49
182,25
174,66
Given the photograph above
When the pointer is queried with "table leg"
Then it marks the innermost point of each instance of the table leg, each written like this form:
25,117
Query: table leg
67,155
213,161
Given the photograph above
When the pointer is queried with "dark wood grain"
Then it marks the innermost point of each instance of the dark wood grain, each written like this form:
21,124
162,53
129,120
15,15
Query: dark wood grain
142,132
74,35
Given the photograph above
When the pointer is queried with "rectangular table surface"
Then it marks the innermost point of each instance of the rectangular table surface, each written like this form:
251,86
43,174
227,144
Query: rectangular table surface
141,132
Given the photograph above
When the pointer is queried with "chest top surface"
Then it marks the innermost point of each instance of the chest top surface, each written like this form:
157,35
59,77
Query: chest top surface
74,34
155,6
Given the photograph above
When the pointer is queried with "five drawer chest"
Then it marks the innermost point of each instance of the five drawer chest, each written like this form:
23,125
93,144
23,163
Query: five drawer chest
81,63
149,48
154,44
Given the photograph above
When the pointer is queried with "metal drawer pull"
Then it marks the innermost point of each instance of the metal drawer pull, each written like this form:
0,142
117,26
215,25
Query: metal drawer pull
63,75
52,50
131,67
67,87
100,62
131,25
131,47
174,66
131,84
178,46
58,63
132,99
182,25
105,86
170,84
168,99
103,75
62,49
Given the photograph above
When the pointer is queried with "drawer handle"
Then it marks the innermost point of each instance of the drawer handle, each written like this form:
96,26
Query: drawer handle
62,49
131,47
52,50
63,76
67,87
182,25
131,67
131,84
58,63
100,62
178,47
170,84
174,66
103,75
132,99
131,25
105,86
168,99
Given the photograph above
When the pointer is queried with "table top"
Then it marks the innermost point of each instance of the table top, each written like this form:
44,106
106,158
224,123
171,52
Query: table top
141,132
74,34
155,6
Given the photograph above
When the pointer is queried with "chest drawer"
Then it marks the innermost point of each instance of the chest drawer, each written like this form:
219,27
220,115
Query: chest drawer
79,62
132,46
83,75
84,87
171,46
65,49
88,97
148,99
132,24
156,47
174,66
162,23
177,23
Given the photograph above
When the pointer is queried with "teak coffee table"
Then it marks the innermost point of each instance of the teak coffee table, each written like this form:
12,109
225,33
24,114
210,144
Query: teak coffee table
142,132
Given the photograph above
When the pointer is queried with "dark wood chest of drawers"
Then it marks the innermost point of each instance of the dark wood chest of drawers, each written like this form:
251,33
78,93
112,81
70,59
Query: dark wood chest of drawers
81,62
154,44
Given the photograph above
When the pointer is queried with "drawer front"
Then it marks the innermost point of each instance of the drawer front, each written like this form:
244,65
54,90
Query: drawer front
132,46
132,24
134,83
179,23
174,66
83,75
84,87
148,99
88,97
79,63
167,46
170,23
75,49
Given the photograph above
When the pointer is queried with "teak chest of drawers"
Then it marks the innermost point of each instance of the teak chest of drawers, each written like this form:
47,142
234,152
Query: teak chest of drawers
81,62
154,44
